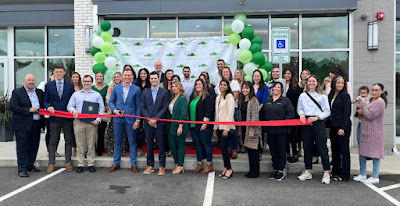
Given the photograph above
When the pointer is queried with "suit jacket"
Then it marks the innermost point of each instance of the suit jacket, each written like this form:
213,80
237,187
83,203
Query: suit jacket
204,111
340,111
159,108
130,106
179,112
51,98
224,112
20,104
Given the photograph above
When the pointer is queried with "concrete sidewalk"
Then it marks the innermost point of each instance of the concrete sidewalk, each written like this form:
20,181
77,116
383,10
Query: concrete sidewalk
8,158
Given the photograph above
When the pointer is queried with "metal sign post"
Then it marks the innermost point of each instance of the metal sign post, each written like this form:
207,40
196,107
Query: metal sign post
281,50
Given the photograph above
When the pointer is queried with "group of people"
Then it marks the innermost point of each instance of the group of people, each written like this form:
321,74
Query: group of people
157,95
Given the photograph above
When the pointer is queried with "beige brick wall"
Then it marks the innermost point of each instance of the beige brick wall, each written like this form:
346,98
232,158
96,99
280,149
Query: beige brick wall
83,15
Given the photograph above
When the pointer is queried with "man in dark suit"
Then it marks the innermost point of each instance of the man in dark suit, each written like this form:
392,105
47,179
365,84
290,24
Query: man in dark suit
155,104
125,99
158,68
56,97
26,122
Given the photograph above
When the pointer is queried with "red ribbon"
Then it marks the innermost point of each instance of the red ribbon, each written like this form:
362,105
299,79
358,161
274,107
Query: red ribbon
288,122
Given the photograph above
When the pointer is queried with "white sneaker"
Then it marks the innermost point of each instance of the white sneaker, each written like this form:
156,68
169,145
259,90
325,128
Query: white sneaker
326,179
305,176
359,178
371,181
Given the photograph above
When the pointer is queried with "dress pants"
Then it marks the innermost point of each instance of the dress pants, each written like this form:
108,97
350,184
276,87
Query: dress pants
55,130
224,141
254,161
340,153
119,129
159,133
233,135
317,133
101,129
278,146
27,146
85,134
177,146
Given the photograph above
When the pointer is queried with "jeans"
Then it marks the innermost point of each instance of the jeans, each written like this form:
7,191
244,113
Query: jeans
119,129
233,135
363,166
202,139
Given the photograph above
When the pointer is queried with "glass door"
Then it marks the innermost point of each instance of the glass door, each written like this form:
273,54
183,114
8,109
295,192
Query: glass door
3,83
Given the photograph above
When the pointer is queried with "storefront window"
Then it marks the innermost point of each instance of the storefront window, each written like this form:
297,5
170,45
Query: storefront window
200,27
3,42
162,28
325,32
69,65
397,35
130,28
29,42
293,65
2,69
288,21
60,41
320,63
398,95
28,66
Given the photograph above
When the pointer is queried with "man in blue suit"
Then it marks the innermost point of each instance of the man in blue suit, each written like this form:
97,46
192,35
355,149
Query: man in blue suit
125,99
155,104
56,97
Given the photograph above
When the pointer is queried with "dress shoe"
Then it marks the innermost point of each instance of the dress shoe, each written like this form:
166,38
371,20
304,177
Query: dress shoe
99,154
135,169
178,170
69,167
293,159
161,171
79,169
234,154
33,169
23,174
114,168
50,168
198,168
209,168
148,170
92,169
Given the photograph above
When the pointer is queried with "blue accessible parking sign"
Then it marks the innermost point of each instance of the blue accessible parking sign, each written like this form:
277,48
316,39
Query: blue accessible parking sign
280,44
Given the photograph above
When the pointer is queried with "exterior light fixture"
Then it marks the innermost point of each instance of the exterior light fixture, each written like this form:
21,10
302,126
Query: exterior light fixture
88,34
373,40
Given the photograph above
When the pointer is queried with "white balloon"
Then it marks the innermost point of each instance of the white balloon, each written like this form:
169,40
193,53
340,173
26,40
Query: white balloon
97,42
245,43
110,62
236,53
249,68
237,26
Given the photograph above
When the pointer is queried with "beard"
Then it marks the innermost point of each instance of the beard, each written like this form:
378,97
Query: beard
186,76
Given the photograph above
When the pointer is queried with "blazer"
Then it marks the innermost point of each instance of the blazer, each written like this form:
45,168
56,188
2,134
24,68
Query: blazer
130,106
204,111
252,114
158,109
340,111
279,109
293,94
20,104
51,98
179,112
224,112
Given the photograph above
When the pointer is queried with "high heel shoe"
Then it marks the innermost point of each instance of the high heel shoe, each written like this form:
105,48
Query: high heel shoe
227,177
178,170
222,174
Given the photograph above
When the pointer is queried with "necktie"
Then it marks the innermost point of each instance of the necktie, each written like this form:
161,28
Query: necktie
59,89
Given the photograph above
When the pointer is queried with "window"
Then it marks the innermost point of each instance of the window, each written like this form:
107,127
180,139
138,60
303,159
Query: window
397,35
2,68
26,66
397,94
69,65
288,21
320,63
200,27
136,28
293,65
162,28
3,42
60,41
29,41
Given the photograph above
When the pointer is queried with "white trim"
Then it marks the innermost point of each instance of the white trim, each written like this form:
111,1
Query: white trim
148,27
11,67
94,15
222,25
269,37
176,27
300,28
326,50
351,63
45,52
395,139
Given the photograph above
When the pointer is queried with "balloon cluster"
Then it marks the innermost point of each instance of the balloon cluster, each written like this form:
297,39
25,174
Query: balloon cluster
102,51
249,51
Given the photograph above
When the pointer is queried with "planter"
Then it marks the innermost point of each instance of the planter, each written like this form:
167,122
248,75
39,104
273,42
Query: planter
6,133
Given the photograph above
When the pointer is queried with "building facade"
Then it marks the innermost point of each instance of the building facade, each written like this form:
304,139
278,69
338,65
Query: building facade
36,35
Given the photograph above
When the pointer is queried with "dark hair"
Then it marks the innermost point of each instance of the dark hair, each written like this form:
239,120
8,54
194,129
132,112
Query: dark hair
221,60
177,76
129,69
293,80
204,93
166,81
59,66
339,71
139,80
207,82
230,73
251,94
229,90
80,80
318,89
262,83
276,83
86,76
185,67
363,88
333,85
384,94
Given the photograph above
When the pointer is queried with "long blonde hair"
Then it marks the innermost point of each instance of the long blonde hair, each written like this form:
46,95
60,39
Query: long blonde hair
179,85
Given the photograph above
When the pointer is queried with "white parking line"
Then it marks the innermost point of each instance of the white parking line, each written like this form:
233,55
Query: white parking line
30,185
383,194
390,187
209,189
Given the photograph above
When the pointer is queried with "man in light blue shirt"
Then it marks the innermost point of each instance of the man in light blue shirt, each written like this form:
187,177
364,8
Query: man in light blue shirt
187,82
85,132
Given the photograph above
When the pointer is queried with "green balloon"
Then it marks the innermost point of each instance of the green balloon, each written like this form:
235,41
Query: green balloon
255,48
258,58
245,56
105,25
264,73
94,50
267,66
248,32
234,38
266,79
248,78
241,16
228,29
99,68
107,48
99,57
257,39
106,36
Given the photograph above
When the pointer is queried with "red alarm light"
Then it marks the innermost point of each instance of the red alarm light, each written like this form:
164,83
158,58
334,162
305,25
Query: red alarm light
380,15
